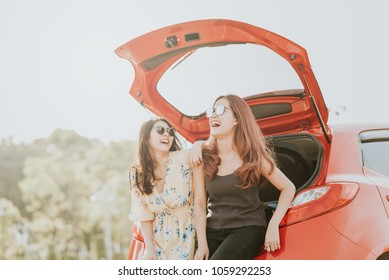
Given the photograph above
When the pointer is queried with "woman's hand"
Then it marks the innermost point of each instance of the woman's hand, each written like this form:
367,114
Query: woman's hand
272,238
202,253
196,156
149,255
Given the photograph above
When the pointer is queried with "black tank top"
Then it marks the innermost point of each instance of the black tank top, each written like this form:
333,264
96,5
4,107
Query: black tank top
229,206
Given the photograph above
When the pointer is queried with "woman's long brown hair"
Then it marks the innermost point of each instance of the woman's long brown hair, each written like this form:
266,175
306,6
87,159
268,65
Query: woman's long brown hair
248,141
144,168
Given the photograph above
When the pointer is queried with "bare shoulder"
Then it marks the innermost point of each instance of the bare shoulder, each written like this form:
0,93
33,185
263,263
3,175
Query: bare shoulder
266,168
182,156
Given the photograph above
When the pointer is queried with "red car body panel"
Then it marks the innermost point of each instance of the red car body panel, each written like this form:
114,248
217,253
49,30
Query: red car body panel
381,182
136,245
321,242
357,227
345,165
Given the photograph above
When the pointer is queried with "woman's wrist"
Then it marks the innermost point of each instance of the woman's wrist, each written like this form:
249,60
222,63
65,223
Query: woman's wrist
202,244
273,223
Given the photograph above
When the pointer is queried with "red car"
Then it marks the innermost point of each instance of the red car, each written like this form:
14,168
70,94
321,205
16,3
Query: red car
341,172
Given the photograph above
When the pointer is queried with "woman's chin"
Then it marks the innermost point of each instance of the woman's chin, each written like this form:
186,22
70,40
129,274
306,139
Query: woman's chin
214,132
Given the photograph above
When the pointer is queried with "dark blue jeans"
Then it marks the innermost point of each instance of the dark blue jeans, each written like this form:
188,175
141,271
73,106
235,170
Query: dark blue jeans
236,243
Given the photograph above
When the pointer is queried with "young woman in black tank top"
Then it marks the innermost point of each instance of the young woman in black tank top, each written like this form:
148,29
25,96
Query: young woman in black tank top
231,222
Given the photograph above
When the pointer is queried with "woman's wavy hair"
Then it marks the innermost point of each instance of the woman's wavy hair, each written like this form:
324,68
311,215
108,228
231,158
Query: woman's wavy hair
249,143
145,166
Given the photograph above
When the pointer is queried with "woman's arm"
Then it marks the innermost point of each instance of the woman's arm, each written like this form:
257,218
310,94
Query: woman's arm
200,213
140,212
287,192
147,231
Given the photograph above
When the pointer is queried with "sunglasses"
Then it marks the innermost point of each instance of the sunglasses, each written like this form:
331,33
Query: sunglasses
161,130
219,110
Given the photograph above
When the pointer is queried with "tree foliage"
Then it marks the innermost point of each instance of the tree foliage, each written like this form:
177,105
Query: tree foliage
73,198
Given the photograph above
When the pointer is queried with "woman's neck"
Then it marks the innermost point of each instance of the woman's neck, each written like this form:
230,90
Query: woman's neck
230,159
225,145
160,157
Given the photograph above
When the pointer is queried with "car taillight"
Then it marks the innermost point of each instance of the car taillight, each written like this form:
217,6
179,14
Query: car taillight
319,200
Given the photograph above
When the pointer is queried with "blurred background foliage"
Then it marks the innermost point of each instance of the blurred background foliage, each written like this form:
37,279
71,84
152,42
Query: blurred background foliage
65,197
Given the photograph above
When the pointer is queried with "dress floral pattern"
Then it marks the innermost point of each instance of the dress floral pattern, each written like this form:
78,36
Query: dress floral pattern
171,211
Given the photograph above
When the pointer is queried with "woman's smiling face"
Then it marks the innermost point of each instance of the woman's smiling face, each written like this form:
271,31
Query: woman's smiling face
222,122
160,139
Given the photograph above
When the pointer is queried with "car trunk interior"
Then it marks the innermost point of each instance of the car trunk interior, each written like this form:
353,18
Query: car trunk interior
297,156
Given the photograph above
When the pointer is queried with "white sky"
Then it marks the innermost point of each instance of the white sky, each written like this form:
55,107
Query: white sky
58,68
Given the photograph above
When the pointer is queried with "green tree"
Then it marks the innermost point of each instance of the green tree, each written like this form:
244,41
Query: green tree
75,193
11,231
12,157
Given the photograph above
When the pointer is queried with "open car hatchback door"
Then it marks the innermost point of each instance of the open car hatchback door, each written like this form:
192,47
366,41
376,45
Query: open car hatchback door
277,111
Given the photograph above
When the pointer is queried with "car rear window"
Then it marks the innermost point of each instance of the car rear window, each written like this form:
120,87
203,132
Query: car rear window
376,156
375,151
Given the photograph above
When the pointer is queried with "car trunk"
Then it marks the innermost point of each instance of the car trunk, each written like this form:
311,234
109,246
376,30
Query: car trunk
298,157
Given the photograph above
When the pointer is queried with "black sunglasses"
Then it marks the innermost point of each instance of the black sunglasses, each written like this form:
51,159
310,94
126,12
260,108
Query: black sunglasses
219,110
161,130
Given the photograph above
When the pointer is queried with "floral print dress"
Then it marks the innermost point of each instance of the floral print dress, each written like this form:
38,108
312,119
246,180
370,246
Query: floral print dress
171,211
